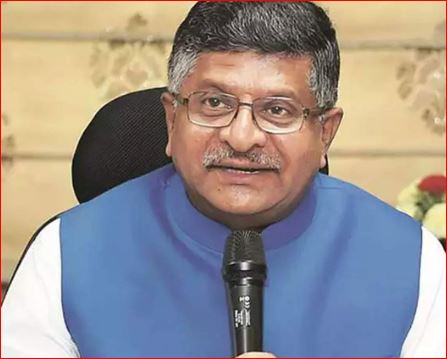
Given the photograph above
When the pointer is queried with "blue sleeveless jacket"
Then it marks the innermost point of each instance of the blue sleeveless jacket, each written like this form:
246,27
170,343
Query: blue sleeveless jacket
141,274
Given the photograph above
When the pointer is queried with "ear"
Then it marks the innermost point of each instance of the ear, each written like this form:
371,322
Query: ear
331,121
168,102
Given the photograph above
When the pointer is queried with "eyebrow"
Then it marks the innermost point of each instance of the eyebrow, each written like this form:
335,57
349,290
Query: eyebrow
212,85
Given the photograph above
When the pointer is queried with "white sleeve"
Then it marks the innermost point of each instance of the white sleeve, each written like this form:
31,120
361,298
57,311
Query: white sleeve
427,336
33,324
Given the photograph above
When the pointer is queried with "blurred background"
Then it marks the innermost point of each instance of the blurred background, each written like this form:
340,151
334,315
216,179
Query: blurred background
61,61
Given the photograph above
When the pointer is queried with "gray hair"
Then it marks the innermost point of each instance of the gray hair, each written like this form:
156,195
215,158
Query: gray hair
292,29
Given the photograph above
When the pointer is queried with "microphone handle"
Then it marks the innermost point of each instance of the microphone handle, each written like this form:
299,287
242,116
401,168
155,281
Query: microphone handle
246,304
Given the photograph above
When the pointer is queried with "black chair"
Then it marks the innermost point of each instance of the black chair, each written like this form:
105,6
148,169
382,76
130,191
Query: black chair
126,139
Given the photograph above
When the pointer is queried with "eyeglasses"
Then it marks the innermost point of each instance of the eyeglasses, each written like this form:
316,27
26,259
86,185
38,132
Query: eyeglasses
276,115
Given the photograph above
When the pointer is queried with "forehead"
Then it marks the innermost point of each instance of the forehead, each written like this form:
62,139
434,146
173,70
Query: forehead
251,74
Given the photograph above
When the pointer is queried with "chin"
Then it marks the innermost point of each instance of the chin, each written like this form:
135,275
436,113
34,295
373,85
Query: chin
240,205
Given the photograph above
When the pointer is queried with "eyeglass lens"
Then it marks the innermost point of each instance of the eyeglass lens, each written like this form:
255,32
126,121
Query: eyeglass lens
274,114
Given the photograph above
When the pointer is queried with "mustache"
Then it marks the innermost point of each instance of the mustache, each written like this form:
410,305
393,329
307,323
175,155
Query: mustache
214,157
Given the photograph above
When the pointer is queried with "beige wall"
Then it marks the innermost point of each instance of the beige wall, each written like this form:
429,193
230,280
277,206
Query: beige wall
58,68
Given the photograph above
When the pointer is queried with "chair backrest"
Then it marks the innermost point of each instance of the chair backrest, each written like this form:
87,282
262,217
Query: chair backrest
125,139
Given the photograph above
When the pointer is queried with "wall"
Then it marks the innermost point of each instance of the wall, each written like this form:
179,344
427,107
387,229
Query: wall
62,60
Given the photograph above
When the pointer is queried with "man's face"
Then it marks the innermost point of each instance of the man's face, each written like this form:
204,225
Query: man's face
226,191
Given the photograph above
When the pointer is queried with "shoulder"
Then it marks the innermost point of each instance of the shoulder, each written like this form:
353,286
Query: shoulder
146,188
356,196
358,202
332,184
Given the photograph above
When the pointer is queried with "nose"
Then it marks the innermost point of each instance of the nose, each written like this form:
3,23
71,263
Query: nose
243,133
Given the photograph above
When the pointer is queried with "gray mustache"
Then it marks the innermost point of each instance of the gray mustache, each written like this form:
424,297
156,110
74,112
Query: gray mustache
215,156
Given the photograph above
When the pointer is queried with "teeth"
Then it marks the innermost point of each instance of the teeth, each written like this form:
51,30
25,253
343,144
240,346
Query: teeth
237,170
240,170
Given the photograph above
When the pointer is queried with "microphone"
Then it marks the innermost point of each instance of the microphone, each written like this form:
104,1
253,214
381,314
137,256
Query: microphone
244,270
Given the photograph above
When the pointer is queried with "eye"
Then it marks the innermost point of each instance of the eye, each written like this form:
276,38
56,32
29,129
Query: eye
213,102
216,103
277,111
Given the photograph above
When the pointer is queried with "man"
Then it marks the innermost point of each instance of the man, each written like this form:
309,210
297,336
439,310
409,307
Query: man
251,114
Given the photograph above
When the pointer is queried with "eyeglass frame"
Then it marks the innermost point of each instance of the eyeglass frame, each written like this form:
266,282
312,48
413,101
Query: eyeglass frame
307,112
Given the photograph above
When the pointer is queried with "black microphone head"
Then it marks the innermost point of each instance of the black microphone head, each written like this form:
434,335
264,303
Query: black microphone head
244,246
244,271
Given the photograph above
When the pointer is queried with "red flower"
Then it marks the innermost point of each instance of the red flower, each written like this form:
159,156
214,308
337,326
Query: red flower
434,184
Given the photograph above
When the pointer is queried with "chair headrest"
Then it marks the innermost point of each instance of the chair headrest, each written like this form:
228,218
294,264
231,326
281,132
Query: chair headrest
125,139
